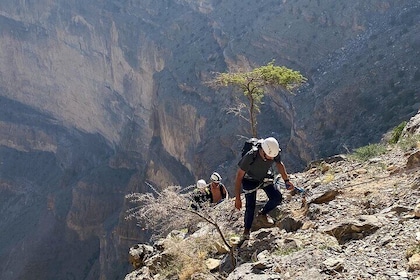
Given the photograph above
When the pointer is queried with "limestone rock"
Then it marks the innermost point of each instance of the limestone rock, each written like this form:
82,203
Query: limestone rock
333,265
414,262
212,264
413,126
325,197
413,160
138,254
140,274
417,211
354,228
289,224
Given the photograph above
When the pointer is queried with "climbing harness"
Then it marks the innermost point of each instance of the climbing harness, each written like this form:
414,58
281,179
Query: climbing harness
278,183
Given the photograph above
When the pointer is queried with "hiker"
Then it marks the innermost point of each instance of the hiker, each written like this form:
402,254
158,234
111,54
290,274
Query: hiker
213,193
201,184
254,167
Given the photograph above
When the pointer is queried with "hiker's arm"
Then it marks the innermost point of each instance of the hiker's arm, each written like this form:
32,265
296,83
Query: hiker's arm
238,181
282,170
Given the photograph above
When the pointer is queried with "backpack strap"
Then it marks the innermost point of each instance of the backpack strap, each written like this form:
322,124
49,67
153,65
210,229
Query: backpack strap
254,153
222,190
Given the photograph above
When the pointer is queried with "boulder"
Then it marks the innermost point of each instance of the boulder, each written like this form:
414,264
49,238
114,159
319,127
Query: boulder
417,210
414,262
354,228
138,254
413,160
413,126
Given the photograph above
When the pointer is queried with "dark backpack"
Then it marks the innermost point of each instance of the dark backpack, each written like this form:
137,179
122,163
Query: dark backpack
251,143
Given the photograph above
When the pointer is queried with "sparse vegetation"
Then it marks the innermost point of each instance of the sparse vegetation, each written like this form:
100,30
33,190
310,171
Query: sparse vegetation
286,251
329,177
170,210
396,133
409,142
187,258
366,152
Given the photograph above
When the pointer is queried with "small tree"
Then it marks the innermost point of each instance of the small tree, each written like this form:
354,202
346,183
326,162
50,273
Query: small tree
254,83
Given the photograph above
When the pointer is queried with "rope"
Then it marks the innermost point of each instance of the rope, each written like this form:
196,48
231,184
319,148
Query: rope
260,186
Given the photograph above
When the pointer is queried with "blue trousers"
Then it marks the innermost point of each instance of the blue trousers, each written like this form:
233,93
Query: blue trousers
274,199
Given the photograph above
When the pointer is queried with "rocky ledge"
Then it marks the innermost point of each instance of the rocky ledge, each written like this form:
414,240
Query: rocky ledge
357,220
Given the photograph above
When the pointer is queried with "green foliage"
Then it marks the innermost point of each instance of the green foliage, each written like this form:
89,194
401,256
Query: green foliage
369,151
396,133
253,85
278,76
409,142
286,251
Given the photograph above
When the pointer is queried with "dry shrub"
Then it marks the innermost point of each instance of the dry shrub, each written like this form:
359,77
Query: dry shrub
185,258
190,255
170,210
162,212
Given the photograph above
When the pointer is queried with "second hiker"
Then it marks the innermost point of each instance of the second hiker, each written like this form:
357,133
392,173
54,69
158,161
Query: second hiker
212,193
253,168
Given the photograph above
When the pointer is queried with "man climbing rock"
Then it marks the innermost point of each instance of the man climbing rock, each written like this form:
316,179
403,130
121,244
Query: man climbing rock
253,169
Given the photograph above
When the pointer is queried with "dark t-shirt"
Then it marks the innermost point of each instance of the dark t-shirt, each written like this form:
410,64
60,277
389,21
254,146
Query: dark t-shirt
254,165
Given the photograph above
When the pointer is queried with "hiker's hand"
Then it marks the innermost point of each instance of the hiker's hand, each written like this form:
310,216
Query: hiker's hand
289,186
238,203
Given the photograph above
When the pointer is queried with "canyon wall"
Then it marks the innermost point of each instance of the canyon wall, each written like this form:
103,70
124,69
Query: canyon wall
98,97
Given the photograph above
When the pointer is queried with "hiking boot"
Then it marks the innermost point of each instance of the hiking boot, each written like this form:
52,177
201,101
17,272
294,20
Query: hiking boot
265,218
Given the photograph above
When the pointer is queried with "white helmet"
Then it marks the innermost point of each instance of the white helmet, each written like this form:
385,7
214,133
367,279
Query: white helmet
215,177
201,183
270,147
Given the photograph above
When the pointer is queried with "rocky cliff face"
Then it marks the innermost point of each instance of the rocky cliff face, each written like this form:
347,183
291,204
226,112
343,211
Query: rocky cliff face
99,96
